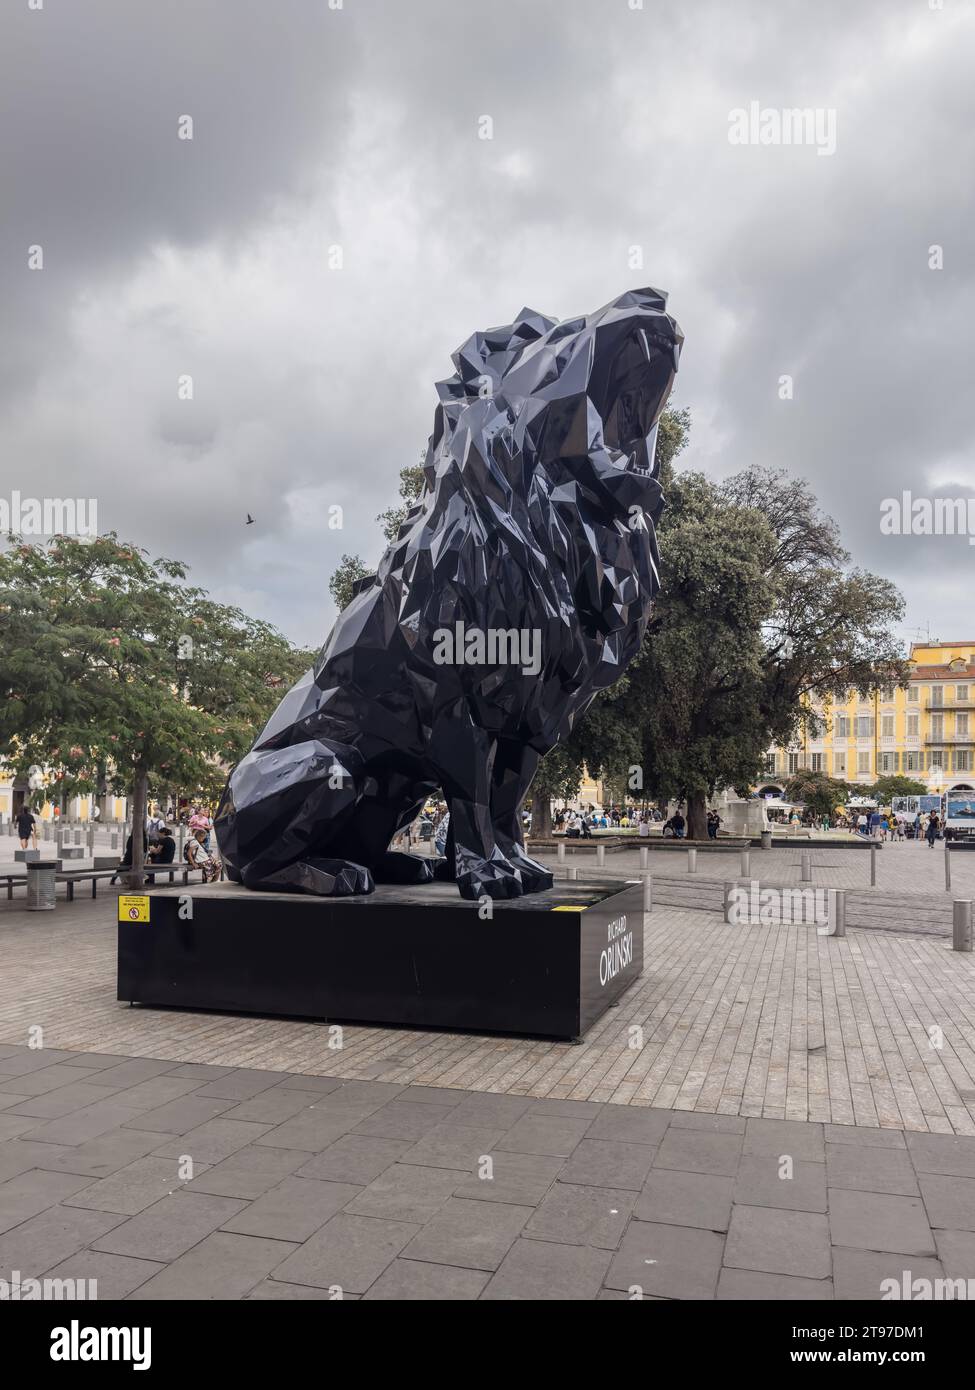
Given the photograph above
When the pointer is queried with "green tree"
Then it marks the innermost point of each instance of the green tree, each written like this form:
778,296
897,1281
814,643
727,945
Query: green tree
116,672
820,793
342,583
758,612
885,788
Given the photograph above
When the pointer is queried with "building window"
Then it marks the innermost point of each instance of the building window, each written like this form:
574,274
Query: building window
793,764
936,760
961,692
913,762
842,726
865,726
839,764
770,764
913,693
817,762
887,726
863,762
937,694
963,760
961,723
912,725
937,726
887,694
888,762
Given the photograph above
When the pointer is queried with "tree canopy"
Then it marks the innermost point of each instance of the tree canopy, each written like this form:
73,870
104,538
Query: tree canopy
116,673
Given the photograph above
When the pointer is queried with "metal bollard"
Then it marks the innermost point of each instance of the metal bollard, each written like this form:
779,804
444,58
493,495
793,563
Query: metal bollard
41,886
873,866
600,855
745,867
947,869
729,898
561,851
961,925
648,893
644,856
692,861
838,904
805,870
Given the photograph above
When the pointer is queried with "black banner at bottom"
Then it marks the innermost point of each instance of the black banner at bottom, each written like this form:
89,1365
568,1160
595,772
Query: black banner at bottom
256,1336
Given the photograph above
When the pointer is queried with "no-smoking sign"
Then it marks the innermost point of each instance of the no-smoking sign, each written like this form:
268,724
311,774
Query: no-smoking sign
133,908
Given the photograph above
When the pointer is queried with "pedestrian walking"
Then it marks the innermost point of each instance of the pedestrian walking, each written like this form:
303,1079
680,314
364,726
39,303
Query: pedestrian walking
26,828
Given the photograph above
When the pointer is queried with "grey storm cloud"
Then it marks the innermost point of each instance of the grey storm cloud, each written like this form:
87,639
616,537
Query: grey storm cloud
337,225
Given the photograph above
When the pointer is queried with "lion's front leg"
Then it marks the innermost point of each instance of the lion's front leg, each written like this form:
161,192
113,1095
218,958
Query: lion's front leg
463,756
515,765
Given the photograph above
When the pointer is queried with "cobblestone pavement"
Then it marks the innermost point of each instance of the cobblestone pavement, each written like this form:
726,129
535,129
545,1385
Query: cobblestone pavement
162,1180
877,1028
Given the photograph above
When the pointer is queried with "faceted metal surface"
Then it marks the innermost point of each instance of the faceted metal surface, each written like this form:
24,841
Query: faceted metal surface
519,585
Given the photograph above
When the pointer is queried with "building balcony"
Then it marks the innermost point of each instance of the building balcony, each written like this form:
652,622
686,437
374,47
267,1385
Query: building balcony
951,704
941,740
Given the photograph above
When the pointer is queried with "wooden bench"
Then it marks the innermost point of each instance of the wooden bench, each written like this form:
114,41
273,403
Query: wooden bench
72,876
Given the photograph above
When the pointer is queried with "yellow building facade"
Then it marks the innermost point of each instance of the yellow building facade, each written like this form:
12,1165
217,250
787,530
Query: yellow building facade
926,732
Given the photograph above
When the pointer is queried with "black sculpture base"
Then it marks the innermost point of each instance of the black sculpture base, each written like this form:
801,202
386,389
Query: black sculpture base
548,965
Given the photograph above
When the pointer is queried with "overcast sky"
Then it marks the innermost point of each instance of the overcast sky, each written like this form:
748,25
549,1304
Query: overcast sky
360,127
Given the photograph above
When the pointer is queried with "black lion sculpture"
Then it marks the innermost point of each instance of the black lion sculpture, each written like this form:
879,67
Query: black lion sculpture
518,586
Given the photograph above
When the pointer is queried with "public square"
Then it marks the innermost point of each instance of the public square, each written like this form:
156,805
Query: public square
645,1160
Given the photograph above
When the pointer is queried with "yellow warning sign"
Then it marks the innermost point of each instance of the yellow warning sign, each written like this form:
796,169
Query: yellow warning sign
133,909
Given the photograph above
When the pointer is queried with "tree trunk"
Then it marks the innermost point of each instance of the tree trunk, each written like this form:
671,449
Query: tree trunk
697,816
541,814
139,788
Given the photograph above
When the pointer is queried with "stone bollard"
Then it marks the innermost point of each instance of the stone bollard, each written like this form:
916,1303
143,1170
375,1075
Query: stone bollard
873,866
947,869
692,861
573,872
805,867
745,868
961,925
41,885
644,856
601,855
561,851
648,892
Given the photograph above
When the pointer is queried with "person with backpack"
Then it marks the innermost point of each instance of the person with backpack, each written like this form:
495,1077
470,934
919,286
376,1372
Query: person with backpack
196,855
932,830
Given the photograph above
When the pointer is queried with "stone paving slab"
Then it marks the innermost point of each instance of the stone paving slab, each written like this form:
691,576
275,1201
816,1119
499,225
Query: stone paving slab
536,1202
876,1031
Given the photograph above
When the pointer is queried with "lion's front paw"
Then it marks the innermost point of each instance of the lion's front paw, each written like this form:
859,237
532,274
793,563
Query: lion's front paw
487,878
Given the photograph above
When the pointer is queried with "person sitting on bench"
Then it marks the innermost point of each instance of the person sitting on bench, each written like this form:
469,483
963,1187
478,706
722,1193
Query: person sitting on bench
163,851
196,856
